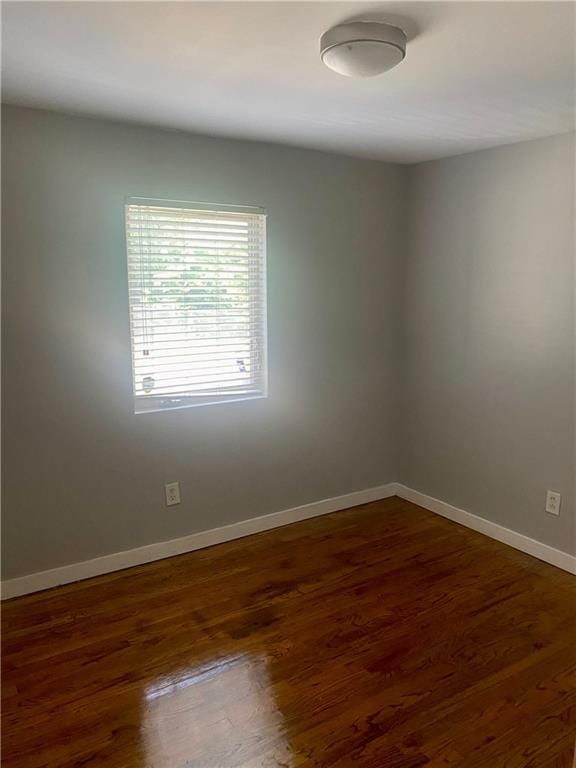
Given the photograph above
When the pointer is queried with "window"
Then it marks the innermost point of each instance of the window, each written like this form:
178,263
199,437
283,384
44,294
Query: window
197,288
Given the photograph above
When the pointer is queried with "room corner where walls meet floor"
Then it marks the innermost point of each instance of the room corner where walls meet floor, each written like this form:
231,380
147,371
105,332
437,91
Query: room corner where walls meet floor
118,561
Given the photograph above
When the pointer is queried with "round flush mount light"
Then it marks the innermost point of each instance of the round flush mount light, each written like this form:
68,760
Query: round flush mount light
362,48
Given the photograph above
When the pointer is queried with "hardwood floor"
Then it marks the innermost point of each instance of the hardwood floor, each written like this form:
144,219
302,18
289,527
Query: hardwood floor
378,637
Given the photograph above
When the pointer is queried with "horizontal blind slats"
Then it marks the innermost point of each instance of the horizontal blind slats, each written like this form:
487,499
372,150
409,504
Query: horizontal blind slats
169,378
185,388
168,344
200,389
188,283
194,341
190,225
174,306
184,364
187,272
222,253
182,352
197,325
194,317
191,257
153,212
175,265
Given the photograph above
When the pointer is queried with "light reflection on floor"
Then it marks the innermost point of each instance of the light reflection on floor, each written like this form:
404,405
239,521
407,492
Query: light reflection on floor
221,714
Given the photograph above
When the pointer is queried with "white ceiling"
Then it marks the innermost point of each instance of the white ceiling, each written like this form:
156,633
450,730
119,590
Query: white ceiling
476,74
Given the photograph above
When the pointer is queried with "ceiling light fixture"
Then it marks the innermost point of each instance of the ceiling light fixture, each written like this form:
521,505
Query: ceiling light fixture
362,48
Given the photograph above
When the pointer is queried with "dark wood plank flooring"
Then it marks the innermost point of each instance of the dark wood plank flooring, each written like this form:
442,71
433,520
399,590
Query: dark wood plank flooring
378,637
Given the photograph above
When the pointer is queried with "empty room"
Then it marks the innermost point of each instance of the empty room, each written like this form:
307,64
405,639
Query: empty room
288,384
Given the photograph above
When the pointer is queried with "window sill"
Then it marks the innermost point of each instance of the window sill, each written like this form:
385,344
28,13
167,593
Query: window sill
154,406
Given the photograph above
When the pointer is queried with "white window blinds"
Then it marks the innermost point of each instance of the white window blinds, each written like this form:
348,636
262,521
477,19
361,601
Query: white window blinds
197,288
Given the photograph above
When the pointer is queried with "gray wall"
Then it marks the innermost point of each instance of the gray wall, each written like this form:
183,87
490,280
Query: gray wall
488,335
83,476
421,329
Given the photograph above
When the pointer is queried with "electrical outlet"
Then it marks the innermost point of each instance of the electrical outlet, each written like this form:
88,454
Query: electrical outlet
553,500
172,492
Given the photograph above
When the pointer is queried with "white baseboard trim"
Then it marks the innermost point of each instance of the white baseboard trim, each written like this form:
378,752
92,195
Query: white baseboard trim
35,582
493,530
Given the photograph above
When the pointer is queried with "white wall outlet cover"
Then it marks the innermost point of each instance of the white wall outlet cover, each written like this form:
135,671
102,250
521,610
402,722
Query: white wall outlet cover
172,492
553,500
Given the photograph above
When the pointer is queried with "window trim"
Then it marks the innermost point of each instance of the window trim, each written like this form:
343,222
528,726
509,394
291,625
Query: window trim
158,403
